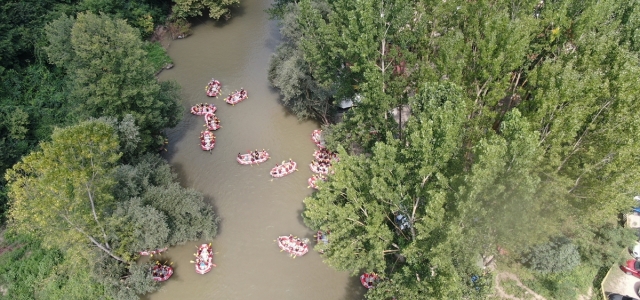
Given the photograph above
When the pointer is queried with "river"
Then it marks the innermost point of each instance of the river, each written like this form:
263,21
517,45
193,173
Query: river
254,209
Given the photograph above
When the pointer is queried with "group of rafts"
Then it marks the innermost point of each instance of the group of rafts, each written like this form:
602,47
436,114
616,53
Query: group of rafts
163,271
207,138
321,165
298,247
323,159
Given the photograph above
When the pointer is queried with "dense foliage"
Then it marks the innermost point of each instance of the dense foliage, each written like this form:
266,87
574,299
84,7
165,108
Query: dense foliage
75,196
556,256
191,8
110,74
76,130
546,141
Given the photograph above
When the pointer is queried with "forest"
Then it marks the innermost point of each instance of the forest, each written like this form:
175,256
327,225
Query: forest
504,132
82,116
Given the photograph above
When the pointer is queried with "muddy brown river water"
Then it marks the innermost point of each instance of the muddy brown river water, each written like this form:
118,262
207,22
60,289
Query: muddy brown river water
254,209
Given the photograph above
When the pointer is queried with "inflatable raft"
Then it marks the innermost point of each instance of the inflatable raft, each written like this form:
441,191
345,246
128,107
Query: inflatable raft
213,88
204,259
236,97
284,169
203,108
207,140
316,137
293,245
253,157
152,252
320,168
212,121
161,272
325,155
368,279
313,181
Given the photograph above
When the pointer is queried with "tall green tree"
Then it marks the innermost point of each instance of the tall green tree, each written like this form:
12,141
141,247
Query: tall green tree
111,75
503,204
584,106
61,193
387,212
150,185
292,74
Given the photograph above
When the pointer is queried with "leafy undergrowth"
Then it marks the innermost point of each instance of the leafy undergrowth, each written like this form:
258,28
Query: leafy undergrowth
157,55
25,265
564,285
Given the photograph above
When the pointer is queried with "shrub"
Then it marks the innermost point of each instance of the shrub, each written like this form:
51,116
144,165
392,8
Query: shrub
559,255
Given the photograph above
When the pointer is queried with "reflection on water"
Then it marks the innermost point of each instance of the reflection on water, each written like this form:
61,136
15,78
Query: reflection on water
254,208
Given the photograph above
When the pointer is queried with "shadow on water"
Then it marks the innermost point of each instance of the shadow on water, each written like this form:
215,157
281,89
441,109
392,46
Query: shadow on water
354,289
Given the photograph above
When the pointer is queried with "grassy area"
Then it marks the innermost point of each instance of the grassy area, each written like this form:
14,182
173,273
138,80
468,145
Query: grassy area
512,288
157,55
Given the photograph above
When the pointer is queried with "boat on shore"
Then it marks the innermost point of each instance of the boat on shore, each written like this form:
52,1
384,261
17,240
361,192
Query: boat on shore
313,180
161,272
284,169
204,259
236,97
152,252
207,140
368,279
213,88
293,245
253,157
203,108
212,122
316,137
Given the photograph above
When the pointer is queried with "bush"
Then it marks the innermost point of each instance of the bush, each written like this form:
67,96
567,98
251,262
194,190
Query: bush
157,55
557,256
180,28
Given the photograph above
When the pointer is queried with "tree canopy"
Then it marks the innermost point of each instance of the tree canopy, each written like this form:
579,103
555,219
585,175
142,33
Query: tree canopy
110,74
74,194
545,142
387,211
191,8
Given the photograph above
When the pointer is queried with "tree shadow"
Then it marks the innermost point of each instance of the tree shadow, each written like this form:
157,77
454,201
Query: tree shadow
354,289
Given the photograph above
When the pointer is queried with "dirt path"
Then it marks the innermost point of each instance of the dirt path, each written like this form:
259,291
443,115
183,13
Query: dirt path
510,276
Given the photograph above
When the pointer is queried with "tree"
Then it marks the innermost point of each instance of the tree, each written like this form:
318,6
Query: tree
136,227
111,75
402,179
142,15
190,218
289,72
187,216
20,29
32,102
502,195
183,9
61,192
581,100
